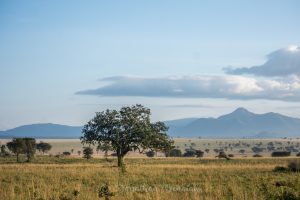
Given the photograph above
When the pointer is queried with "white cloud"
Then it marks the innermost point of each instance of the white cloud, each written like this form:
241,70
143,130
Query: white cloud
199,86
283,62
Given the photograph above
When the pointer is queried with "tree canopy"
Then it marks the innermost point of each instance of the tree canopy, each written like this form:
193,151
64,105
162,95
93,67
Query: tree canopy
128,129
43,147
22,146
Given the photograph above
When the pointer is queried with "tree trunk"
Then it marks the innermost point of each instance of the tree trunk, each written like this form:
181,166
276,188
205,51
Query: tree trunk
17,157
121,164
120,161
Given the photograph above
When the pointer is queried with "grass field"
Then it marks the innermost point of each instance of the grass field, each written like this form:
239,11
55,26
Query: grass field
65,178
146,178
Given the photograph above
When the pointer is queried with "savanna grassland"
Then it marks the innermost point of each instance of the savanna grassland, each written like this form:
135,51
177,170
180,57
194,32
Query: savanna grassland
146,178
65,178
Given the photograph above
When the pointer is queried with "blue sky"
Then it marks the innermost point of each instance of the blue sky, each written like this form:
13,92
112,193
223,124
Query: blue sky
51,50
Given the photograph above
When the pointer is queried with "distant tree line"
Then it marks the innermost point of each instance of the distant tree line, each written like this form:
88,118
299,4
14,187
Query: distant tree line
26,146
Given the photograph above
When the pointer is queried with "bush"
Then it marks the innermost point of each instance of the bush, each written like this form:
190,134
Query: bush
87,152
280,154
280,169
257,155
230,155
104,192
298,154
150,154
222,154
66,153
174,153
199,153
294,166
189,153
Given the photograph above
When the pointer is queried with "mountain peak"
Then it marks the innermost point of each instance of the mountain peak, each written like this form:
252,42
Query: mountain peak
241,110
238,113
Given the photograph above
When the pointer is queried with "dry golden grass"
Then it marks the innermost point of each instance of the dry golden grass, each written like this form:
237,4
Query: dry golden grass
149,178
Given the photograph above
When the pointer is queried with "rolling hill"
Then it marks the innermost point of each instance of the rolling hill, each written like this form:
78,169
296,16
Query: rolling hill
43,131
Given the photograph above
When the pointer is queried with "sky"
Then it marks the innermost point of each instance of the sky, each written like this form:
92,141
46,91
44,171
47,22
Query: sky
61,61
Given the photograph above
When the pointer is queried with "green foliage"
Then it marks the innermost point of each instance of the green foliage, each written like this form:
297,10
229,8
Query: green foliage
222,154
128,129
280,154
66,153
189,153
242,151
104,192
87,152
280,169
22,146
16,146
43,147
105,147
257,150
199,153
150,154
30,148
174,153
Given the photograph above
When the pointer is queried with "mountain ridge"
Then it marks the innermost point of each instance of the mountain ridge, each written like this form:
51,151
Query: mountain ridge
237,124
241,123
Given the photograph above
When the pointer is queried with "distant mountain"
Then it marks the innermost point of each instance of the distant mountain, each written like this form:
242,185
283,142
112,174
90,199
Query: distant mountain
240,123
43,131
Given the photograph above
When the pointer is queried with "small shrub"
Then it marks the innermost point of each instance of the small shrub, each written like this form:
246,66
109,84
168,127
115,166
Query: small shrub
280,154
76,193
66,153
189,153
298,154
222,154
104,192
87,152
257,155
199,153
150,154
280,169
174,153
230,155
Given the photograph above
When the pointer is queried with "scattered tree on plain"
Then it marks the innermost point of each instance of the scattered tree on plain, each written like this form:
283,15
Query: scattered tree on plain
16,146
30,148
87,152
199,153
43,147
128,129
25,146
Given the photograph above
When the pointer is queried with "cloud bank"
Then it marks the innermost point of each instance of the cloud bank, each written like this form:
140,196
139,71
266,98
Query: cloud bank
199,86
283,62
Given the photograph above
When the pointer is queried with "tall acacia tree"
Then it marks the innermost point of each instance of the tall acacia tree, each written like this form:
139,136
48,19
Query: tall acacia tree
126,130
29,148
16,146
